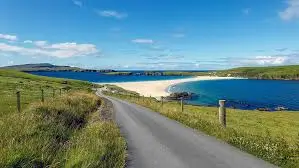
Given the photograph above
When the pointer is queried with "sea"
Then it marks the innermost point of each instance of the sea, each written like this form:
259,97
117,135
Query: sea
246,94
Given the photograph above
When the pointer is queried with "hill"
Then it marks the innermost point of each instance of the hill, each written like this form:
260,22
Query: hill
51,67
289,72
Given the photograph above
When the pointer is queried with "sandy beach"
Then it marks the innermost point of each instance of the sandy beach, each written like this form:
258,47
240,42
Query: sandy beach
160,88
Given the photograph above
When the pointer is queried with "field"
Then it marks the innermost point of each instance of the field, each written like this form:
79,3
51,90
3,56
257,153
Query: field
66,130
273,137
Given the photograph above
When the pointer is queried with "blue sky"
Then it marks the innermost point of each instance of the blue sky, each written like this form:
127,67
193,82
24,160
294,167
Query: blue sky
150,34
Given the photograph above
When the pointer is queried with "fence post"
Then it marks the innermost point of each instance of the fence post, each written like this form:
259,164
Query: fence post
53,92
162,101
43,99
222,113
182,104
19,101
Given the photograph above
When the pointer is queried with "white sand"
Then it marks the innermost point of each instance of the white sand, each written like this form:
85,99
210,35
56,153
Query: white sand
160,88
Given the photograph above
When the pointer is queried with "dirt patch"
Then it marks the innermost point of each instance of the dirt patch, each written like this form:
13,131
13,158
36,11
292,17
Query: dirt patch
106,110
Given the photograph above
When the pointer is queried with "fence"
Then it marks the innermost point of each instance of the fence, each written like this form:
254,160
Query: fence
17,100
221,110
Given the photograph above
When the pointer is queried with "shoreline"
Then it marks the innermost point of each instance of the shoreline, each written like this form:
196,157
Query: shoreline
160,88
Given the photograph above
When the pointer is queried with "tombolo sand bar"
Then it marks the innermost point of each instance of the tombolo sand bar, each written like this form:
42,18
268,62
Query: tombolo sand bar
159,88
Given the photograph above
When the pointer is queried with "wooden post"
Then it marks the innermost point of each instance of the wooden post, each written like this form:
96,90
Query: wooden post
162,101
222,113
43,99
19,101
53,92
182,104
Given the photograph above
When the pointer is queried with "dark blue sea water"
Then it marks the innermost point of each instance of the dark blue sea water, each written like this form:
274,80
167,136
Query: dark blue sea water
99,77
244,94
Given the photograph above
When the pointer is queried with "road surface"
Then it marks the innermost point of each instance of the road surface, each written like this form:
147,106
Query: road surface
155,141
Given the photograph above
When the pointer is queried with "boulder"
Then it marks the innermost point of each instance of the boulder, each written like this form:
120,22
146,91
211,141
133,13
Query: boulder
281,108
180,95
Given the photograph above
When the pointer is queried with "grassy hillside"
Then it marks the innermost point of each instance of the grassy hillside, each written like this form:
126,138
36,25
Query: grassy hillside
50,67
272,136
64,131
290,72
30,87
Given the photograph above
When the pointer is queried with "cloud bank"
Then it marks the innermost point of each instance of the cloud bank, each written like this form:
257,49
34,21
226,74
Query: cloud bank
8,37
44,48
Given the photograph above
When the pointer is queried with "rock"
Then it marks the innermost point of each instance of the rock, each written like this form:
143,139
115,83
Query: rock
180,95
263,109
64,82
281,108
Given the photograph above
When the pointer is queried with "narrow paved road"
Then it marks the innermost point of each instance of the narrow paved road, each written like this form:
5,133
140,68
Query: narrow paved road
155,141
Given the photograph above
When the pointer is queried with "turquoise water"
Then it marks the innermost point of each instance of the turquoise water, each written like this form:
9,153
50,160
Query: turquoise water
244,94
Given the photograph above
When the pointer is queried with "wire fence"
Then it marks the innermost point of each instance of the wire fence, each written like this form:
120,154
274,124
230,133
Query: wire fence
16,100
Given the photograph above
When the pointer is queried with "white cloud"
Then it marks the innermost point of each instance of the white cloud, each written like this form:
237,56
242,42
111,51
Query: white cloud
78,3
28,41
270,60
8,37
112,14
40,43
143,41
60,50
179,35
261,60
292,10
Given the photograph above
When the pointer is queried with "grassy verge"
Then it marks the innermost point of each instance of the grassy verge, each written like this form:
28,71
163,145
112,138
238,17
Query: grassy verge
273,137
58,133
30,87
64,131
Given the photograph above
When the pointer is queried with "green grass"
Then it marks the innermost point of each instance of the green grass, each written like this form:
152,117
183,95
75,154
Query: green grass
64,131
58,133
30,87
272,136
97,145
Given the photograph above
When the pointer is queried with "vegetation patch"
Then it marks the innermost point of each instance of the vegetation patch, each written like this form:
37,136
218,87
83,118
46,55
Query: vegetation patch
65,130
62,132
30,87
